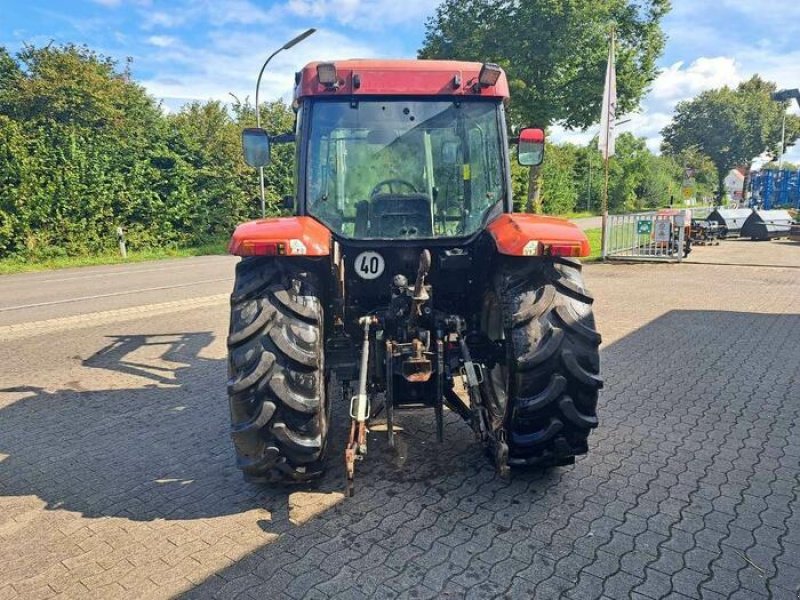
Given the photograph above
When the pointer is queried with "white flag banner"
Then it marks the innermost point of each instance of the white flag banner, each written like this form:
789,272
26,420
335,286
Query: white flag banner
606,140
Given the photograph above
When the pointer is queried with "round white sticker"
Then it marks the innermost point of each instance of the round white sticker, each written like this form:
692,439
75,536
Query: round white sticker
369,265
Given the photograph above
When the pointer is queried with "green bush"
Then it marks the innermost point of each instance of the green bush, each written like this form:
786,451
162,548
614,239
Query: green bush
84,149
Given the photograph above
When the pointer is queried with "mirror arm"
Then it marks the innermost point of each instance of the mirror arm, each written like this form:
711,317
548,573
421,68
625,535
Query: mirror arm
282,138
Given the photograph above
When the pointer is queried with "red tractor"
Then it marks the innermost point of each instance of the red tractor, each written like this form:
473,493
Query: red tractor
405,275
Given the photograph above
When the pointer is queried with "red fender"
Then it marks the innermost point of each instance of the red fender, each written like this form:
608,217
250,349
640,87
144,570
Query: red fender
519,234
281,236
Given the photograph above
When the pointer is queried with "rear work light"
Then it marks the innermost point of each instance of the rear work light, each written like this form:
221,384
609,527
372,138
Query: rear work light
489,75
326,73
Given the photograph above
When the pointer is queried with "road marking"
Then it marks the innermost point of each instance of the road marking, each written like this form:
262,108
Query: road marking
49,326
125,293
82,276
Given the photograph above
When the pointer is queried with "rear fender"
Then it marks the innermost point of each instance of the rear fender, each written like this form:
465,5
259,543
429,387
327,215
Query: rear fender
281,236
518,234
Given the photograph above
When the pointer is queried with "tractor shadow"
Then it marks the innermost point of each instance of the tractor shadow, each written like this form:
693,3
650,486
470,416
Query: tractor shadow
157,450
161,450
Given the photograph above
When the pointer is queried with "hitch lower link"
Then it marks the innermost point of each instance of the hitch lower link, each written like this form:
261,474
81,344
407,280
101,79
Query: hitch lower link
493,436
359,413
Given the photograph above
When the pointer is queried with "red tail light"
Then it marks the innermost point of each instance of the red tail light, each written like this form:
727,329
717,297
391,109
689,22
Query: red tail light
562,250
249,248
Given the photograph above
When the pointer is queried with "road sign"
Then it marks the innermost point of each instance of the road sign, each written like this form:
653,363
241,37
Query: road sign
663,230
644,226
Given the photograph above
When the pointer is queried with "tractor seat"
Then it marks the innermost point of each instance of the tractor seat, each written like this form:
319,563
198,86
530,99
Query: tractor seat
394,216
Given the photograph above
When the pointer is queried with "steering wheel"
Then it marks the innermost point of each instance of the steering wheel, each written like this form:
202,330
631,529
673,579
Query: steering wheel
390,183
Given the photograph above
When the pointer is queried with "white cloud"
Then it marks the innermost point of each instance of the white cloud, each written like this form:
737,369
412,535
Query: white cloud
216,13
161,41
364,13
237,12
164,19
229,53
780,67
775,12
679,82
675,83
723,45
230,63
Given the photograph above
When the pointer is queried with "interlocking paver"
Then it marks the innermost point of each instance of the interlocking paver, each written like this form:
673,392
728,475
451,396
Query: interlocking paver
117,477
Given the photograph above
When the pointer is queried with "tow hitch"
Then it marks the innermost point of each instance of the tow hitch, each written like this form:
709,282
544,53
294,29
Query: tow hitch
359,412
419,372
492,436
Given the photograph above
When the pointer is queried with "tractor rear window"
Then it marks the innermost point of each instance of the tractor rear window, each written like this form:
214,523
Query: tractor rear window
395,169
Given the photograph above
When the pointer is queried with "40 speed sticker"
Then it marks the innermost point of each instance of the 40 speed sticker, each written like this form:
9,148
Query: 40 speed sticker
369,265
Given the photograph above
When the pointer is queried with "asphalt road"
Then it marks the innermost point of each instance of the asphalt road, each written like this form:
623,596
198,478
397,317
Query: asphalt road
51,294
117,478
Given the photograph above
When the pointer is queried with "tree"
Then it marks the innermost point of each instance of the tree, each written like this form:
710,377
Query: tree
731,126
697,169
659,182
554,52
638,179
589,176
559,194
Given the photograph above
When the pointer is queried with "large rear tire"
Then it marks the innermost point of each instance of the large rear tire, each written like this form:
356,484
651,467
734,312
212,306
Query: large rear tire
544,390
276,387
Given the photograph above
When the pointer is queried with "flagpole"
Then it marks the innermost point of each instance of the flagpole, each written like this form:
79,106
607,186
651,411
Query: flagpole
604,205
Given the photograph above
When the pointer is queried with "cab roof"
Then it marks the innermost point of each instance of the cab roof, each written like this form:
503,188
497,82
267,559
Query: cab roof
362,77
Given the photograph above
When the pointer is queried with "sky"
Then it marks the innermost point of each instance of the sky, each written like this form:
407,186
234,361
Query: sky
184,50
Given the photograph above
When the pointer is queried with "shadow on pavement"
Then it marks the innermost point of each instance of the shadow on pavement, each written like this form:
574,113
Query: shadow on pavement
694,396
162,451
687,388
178,348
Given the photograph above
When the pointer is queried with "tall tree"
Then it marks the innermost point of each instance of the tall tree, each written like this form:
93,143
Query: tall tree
731,126
554,52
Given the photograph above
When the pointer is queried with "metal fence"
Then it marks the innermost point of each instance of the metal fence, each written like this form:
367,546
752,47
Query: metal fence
659,236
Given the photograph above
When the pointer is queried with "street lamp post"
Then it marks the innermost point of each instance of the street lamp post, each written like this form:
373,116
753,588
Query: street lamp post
294,41
589,186
783,142
783,96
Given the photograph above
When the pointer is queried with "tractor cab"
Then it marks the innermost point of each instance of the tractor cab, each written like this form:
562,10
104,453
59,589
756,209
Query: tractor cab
394,150
404,168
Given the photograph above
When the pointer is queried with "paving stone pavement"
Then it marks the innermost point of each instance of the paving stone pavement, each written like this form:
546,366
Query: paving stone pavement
117,476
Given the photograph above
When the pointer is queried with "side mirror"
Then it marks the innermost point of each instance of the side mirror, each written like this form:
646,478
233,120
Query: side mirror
530,149
255,146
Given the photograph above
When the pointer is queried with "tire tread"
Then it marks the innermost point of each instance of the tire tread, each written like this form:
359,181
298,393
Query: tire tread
278,427
554,357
